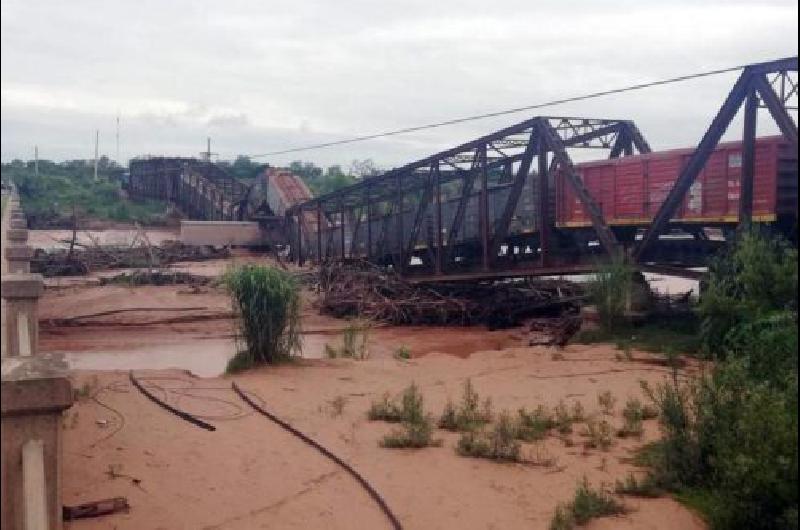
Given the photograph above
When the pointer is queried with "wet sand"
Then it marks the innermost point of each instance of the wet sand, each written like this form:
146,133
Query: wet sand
251,474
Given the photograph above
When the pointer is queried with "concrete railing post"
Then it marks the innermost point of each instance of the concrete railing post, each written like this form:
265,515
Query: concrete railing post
21,293
18,258
35,393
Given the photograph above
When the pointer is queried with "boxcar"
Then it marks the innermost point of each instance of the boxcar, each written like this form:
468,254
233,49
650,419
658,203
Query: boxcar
630,190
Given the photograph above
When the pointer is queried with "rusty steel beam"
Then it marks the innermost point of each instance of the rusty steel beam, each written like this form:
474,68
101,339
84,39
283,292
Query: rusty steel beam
544,205
748,159
501,228
422,208
458,219
753,76
695,164
483,209
604,234
777,109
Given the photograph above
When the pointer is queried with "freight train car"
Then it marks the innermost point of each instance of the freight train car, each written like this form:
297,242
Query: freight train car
630,190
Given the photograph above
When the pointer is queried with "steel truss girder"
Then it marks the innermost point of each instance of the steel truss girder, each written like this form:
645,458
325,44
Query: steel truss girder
753,80
511,148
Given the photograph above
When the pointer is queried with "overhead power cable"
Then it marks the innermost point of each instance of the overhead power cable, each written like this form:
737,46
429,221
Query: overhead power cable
504,112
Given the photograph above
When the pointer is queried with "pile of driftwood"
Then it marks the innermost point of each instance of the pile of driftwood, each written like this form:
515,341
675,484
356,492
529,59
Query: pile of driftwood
81,259
363,290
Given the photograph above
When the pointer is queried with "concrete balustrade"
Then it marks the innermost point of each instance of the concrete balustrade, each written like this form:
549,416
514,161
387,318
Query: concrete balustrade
17,236
18,224
21,293
18,258
34,393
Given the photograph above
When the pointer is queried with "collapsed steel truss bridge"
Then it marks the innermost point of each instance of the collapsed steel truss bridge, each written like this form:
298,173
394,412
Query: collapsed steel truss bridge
486,208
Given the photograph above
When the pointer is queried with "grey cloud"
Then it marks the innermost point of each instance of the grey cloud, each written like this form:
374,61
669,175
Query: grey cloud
256,77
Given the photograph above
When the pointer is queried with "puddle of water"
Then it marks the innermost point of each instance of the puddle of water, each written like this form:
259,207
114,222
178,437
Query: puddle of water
206,361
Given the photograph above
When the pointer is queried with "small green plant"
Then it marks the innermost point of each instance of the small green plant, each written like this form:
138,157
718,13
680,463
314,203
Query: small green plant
337,405
563,418
587,504
634,487
385,410
469,415
408,410
354,343
599,434
412,435
534,425
634,415
498,444
417,427
606,400
402,353
578,412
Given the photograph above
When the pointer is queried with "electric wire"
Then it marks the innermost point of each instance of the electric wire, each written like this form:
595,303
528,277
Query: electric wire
591,95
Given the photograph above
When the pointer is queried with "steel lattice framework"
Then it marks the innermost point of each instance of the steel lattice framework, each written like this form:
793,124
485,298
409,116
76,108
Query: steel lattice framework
416,218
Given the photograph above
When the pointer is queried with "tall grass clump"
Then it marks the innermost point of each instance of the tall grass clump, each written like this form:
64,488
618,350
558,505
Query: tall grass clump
610,291
267,305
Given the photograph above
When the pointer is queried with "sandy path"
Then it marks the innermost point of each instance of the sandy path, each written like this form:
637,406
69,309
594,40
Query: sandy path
250,474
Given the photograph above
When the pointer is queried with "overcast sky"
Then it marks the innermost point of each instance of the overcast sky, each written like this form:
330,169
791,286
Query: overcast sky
263,76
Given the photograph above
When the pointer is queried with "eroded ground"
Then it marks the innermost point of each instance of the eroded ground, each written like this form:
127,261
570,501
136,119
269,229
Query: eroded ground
251,474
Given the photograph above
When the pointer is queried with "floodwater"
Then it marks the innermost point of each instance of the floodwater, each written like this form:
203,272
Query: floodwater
206,360
52,239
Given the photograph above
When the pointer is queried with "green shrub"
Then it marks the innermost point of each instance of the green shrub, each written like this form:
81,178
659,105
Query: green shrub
469,415
411,436
734,440
607,401
417,427
498,444
634,487
267,305
599,434
534,425
563,418
408,410
754,277
587,504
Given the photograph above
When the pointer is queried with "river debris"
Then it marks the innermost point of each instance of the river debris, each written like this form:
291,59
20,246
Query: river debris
95,508
157,277
83,259
360,289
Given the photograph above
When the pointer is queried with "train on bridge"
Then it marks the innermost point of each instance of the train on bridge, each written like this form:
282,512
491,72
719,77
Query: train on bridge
513,203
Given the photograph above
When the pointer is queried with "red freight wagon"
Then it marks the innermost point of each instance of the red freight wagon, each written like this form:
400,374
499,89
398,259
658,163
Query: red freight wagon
630,190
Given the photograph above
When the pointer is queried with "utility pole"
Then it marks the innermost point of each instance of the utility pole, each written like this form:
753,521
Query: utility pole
36,161
96,143
207,153
117,158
